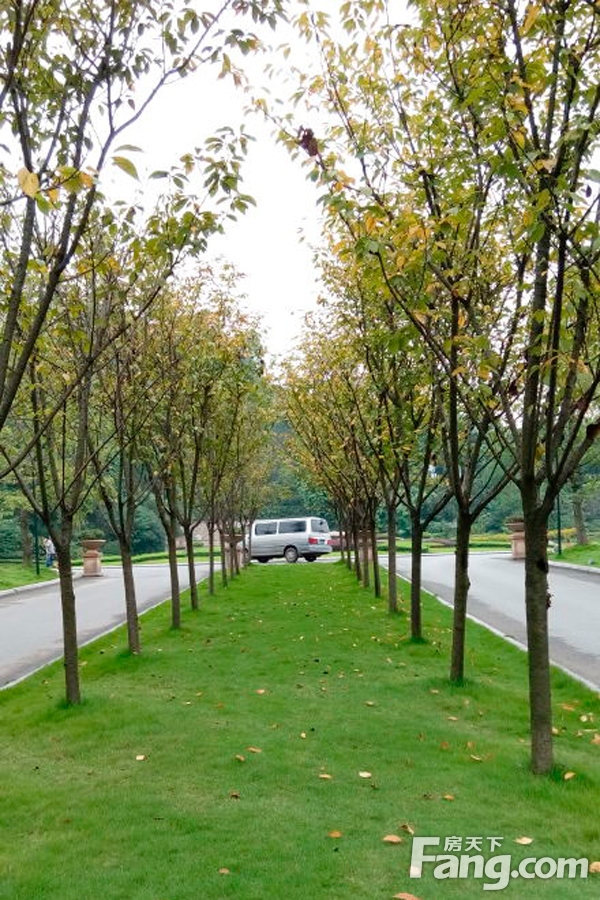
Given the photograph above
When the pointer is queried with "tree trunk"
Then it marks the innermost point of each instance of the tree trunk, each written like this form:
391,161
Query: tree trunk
356,542
578,516
189,548
392,578
26,540
415,578
536,605
175,593
461,593
223,558
69,618
365,562
376,569
211,558
133,625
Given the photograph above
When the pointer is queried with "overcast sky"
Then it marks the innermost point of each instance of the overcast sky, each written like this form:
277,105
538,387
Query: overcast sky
266,244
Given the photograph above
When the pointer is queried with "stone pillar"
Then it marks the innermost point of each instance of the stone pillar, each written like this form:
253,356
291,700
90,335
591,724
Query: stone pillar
92,558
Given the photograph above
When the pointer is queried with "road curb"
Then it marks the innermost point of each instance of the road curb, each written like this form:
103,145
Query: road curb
35,586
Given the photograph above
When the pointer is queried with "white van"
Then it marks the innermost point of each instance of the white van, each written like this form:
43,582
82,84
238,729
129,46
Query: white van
306,536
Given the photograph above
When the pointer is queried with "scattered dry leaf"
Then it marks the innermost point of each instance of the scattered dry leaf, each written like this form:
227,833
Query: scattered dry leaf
140,757
476,758
254,750
452,718
596,739
434,691
444,745
594,868
523,840
393,839
261,691
364,775
325,776
568,707
334,834
224,871
303,735
406,826
568,775
404,896
448,797
234,795
370,703
240,758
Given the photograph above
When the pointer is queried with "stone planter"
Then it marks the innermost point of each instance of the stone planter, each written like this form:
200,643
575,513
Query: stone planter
92,558
517,537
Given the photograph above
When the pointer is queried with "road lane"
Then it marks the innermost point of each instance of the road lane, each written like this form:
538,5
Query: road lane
31,625
497,598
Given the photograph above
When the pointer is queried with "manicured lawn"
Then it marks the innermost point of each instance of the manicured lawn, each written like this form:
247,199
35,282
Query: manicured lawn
588,555
209,753
15,575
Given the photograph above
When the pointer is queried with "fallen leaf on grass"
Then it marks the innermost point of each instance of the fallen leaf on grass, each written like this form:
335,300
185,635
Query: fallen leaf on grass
476,758
523,840
254,750
596,739
261,691
568,707
224,872
568,775
405,896
240,758
448,797
364,775
406,826
235,795
140,757
370,703
393,839
325,776
303,735
452,718
594,868
334,834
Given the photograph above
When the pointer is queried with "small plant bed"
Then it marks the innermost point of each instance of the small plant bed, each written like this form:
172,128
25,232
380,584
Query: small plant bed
13,574
286,743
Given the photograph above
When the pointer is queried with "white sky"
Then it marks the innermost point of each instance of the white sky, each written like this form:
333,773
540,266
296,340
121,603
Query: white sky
265,244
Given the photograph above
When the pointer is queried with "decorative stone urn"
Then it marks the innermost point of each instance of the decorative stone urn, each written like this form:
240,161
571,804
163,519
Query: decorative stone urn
92,558
517,537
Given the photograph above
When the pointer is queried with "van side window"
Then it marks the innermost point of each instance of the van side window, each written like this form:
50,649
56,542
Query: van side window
265,528
292,526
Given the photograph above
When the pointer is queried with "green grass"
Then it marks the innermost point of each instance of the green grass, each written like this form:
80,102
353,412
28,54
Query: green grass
14,574
588,555
302,664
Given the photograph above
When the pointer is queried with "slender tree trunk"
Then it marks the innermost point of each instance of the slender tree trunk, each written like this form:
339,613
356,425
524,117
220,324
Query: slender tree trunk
461,593
356,542
376,569
223,557
392,576
211,558
133,625
175,593
189,548
365,562
537,601
69,618
415,577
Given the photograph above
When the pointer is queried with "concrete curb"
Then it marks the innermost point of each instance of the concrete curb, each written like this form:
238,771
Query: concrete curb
36,585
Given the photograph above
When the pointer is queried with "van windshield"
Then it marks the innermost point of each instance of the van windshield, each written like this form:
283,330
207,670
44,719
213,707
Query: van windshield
319,525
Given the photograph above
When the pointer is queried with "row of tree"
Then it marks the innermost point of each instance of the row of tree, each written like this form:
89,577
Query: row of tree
462,209
125,367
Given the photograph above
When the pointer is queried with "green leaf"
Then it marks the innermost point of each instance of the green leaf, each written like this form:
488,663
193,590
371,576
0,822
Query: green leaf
126,165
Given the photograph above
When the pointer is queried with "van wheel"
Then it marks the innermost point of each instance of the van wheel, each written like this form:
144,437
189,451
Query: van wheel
310,557
291,554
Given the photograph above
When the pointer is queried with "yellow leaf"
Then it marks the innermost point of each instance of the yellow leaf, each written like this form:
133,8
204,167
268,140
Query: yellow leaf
596,739
448,797
325,776
393,839
404,896
406,826
594,868
140,757
524,840
334,834
569,775
240,758
28,181
476,758
53,194
224,871
532,14
364,774
452,718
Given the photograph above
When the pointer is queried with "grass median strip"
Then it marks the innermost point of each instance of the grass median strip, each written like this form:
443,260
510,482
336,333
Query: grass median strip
268,748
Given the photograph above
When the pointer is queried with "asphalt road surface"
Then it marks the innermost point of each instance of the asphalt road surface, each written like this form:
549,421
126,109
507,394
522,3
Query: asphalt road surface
31,625
497,598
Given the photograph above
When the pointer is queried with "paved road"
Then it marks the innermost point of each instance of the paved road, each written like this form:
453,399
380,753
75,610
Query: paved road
30,620
497,598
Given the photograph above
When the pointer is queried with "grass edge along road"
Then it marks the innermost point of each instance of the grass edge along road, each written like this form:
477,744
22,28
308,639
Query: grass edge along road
266,749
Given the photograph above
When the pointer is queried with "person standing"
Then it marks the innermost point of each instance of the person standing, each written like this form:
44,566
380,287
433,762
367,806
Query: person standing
50,552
